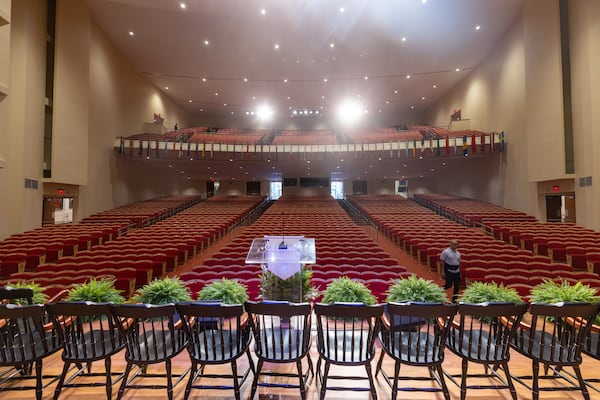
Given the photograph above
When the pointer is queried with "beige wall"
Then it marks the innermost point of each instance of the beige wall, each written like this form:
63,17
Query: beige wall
585,59
22,116
493,97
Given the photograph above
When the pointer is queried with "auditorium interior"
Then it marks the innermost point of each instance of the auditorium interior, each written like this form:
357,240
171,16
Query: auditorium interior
143,140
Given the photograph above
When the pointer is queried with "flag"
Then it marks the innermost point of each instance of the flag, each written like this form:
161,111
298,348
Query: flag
212,145
391,151
502,144
166,148
189,149
422,146
233,154
247,152
431,145
276,156
492,136
204,151
447,145
157,149
130,147
148,149
197,152
465,146
122,146
141,148
414,147
473,144
483,143
262,151
399,145
437,151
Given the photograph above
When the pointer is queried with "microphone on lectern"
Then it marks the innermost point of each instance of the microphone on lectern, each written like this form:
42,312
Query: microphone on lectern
283,244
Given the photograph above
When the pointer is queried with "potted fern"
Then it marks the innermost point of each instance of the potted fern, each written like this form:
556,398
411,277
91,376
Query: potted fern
162,291
275,288
416,289
39,297
228,291
344,290
489,292
549,292
97,291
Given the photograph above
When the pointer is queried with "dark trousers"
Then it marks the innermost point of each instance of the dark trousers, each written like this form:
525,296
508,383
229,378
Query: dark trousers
452,279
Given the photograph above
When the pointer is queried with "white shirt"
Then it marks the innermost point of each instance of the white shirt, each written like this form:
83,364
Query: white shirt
450,257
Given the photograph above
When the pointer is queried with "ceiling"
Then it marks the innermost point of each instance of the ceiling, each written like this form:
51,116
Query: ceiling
222,59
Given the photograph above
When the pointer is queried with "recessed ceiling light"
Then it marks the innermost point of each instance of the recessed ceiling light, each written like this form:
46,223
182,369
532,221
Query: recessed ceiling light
203,79
342,9
253,97
434,86
206,42
387,102
423,98
423,1
166,88
190,100
404,39
245,79
366,78
216,93
276,46
131,33
263,11
202,110
183,6
324,79
478,27
407,76
285,81
395,91
288,97
412,107
332,45
457,70
225,104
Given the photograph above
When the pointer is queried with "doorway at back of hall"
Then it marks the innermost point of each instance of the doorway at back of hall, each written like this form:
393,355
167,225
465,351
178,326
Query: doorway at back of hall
561,208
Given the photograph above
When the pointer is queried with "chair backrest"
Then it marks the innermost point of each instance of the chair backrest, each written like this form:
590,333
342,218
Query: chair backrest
20,295
86,329
23,337
346,332
483,331
149,331
416,332
551,338
281,330
216,332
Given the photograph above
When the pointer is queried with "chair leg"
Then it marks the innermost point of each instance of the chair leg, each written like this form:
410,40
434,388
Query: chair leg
169,379
38,380
582,385
509,381
61,380
371,381
463,380
188,386
301,380
535,386
251,362
440,373
259,366
236,383
324,381
396,376
124,383
108,377
379,363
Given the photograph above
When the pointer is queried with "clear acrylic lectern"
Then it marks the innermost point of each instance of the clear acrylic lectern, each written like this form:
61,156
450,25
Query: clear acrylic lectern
282,259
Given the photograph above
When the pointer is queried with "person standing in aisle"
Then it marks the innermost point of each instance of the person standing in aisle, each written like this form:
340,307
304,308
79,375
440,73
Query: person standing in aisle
451,259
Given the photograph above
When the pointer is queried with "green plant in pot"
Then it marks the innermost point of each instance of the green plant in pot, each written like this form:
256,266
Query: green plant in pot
162,291
39,297
275,288
482,292
344,290
549,292
416,289
96,290
228,291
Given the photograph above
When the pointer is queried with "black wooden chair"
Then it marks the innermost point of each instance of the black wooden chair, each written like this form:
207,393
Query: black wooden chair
346,336
151,336
217,334
16,295
415,334
550,340
25,341
88,334
281,335
482,335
